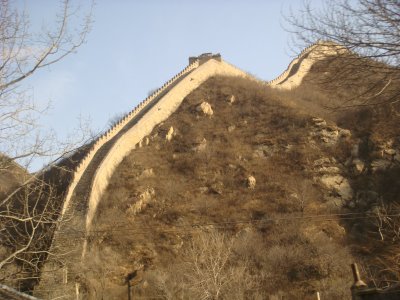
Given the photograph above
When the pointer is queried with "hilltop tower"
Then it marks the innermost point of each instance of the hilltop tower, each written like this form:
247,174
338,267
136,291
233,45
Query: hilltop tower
202,58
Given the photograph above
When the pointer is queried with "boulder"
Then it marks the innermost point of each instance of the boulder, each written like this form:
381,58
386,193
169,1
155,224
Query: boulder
390,152
358,166
141,200
380,164
170,134
324,161
203,189
205,108
344,133
326,165
319,122
200,145
328,170
147,173
329,134
338,184
265,151
217,188
232,99
251,182
258,153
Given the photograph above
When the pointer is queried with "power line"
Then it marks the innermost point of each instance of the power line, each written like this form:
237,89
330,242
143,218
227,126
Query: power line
141,229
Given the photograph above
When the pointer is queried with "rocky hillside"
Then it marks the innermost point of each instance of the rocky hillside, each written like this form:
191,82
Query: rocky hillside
247,191
244,192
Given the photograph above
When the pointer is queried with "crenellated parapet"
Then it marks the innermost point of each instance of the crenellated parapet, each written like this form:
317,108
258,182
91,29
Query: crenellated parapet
115,129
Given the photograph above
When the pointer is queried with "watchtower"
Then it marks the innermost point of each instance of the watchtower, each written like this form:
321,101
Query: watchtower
202,58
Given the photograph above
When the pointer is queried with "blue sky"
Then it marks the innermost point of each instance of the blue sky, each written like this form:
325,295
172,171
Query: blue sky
135,46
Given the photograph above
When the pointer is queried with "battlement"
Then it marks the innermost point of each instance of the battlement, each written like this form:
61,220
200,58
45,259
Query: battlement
202,58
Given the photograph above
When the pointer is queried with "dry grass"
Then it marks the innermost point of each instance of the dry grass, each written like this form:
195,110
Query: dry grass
172,206
209,186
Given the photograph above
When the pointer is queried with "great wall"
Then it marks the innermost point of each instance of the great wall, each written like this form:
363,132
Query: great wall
90,178
299,67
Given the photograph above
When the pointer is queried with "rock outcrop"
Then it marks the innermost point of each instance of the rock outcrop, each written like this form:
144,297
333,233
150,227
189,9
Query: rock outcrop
205,108
329,134
251,182
170,134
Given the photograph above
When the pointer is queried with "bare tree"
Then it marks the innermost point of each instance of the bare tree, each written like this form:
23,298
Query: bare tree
369,32
22,54
207,265
301,192
24,231
29,207
208,268
387,221
384,266
204,271
370,28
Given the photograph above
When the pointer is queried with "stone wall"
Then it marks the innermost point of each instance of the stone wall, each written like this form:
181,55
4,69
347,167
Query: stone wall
73,213
107,136
300,66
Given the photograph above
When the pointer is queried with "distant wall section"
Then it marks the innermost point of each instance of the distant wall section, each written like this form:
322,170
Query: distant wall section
301,65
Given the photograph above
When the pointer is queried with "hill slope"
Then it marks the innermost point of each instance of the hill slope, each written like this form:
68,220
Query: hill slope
245,191
324,195
189,192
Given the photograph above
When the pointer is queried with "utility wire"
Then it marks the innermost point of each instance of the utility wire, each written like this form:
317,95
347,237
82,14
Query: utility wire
132,229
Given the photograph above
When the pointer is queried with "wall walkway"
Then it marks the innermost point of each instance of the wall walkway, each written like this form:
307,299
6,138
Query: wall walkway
301,65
